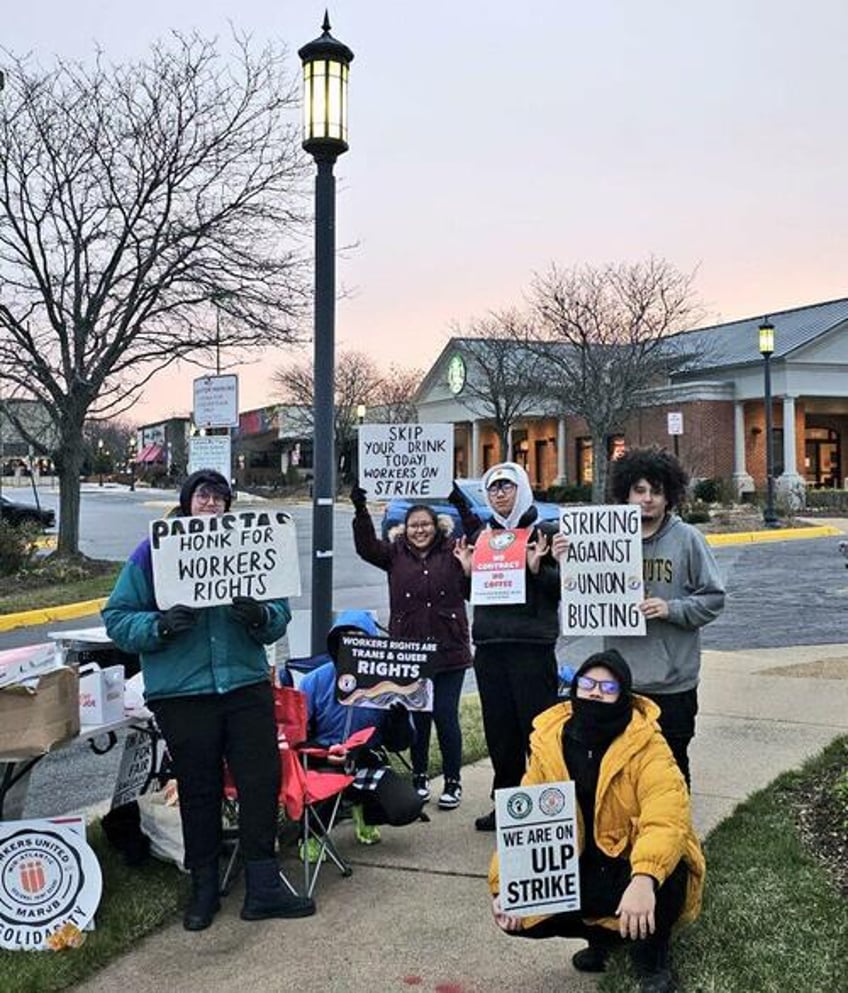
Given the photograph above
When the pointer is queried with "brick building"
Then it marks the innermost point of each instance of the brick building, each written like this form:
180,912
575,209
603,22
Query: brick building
720,399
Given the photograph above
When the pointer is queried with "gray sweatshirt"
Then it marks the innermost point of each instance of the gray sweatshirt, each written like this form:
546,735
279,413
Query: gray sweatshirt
679,567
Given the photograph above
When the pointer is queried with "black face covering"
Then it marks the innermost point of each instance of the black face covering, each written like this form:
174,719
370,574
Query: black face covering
596,722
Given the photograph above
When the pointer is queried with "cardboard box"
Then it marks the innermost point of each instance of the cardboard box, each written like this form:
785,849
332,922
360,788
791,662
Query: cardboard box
27,662
101,694
32,721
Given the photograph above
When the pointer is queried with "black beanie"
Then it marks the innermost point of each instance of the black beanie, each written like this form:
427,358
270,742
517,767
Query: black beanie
595,722
613,661
204,477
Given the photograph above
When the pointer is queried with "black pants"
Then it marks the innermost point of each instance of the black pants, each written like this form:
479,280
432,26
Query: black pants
517,681
677,723
601,889
201,732
447,687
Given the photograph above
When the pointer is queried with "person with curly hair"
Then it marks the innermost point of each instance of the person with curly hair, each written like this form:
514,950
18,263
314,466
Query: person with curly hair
683,592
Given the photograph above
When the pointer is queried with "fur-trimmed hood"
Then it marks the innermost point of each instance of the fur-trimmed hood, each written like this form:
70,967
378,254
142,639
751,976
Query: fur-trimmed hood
445,528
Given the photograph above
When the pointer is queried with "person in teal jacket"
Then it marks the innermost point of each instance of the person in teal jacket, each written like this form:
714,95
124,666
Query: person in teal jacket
207,683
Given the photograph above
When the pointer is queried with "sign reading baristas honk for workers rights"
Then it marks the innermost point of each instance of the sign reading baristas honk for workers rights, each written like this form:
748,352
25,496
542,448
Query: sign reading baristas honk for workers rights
206,561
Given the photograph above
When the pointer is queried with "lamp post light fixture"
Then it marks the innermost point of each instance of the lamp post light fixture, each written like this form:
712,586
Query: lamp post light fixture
766,345
100,457
131,458
326,64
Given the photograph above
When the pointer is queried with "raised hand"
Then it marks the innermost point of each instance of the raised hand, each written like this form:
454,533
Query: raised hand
536,551
464,553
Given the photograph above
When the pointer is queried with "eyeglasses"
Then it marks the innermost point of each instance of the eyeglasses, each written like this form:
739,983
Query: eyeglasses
500,484
607,685
421,526
208,496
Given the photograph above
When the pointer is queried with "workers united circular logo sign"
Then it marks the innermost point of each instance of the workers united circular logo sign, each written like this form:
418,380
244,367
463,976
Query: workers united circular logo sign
552,801
50,880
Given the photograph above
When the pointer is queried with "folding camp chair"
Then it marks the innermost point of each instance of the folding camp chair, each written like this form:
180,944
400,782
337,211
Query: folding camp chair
309,794
296,668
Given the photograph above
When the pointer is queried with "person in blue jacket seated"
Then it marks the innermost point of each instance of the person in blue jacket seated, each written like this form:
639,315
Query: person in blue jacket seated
330,722
206,682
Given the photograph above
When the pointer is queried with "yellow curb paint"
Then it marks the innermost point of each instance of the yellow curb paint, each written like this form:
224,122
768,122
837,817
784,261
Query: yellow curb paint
46,615
778,534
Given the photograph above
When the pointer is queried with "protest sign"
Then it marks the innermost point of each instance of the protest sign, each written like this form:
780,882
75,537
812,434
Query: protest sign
206,561
142,755
377,672
50,883
406,460
497,567
601,571
537,849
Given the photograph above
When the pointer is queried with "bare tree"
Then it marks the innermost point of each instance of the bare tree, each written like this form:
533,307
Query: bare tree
134,200
609,339
504,371
357,381
394,398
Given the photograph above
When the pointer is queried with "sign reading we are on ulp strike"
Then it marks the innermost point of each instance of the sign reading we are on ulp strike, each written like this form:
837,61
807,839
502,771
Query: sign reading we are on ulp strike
406,460
206,561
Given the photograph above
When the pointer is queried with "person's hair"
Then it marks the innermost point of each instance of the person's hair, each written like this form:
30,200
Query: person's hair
661,469
415,508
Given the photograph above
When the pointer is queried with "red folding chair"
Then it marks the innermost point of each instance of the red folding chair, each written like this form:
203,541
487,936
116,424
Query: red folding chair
306,789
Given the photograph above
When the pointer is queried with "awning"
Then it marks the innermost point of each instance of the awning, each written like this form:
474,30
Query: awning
151,453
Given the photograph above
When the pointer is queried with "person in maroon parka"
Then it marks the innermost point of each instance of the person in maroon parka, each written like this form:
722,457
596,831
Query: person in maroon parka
427,593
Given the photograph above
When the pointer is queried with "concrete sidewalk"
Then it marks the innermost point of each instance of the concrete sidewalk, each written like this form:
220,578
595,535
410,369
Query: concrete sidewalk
415,914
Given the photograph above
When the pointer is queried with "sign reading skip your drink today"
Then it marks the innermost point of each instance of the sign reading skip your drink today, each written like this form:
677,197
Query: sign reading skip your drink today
206,561
406,460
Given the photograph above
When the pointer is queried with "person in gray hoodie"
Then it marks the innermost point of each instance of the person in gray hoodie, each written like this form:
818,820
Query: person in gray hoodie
683,592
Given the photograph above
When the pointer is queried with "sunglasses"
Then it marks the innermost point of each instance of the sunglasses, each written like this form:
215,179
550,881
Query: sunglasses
607,685
501,484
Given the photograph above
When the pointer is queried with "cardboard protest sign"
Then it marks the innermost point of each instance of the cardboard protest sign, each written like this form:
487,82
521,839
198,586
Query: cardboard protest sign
406,460
497,567
601,572
537,849
377,672
50,884
205,561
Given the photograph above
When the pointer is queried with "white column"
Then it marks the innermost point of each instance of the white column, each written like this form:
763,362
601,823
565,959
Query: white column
562,478
742,480
474,461
791,486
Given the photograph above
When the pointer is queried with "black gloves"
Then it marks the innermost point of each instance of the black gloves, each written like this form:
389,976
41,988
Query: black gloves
358,497
249,612
175,620
459,500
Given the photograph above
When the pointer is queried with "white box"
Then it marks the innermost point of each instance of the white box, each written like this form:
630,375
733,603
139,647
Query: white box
101,694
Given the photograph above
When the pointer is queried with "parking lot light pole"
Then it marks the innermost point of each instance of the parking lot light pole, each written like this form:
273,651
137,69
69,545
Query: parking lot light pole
766,343
326,64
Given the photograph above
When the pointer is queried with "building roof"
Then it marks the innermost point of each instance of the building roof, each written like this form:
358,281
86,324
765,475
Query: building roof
736,343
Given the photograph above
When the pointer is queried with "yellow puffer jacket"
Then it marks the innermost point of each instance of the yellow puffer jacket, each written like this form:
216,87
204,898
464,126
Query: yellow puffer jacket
642,809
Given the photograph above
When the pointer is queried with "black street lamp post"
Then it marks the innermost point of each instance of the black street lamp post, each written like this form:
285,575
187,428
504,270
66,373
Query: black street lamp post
131,459
326,64
766,330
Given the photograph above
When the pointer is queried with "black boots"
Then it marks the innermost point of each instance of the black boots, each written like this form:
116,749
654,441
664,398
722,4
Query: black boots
592,958
266,896
204,901
650,961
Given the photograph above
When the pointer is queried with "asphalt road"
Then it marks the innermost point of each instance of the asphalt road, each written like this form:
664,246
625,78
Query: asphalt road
779,594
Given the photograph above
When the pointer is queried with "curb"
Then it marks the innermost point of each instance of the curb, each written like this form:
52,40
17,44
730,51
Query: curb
46,615
778,534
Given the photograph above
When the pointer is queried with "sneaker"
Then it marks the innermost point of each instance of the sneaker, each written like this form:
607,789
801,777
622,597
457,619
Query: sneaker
486,822
591,959
452,795
421,785
311,853
366,834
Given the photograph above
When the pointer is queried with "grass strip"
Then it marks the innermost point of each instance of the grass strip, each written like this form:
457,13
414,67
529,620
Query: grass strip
772,919
14,600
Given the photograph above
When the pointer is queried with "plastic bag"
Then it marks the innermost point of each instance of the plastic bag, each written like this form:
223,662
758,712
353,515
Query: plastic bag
159,814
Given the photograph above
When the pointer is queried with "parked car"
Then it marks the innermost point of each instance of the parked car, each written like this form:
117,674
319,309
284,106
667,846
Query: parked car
24,513
396,509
